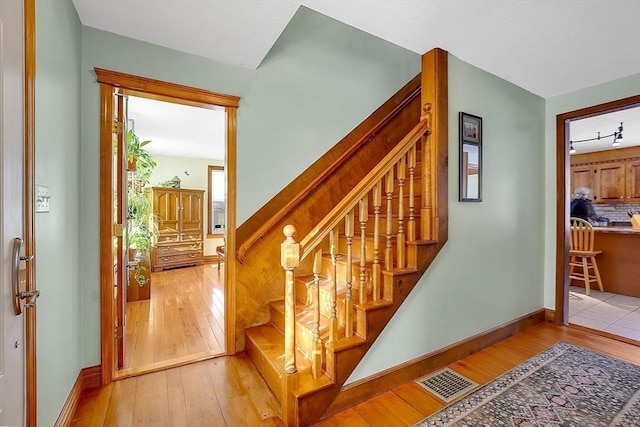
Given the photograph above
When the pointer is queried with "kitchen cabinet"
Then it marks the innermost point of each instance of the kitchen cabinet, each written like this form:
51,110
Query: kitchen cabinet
609,183
582,176
613,175
178,214
632,193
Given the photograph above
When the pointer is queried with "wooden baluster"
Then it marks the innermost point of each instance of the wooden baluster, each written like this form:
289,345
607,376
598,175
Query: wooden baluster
375,271
401,169
316,356
290,260
348,300
388,253
411,225
333,321
364,217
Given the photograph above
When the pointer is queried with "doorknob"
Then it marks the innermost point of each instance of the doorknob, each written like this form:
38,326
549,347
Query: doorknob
19,295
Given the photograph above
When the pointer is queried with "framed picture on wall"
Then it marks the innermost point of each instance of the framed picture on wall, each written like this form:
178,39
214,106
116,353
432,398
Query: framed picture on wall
470,157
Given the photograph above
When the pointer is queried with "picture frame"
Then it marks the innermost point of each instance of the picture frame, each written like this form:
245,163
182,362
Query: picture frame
470,136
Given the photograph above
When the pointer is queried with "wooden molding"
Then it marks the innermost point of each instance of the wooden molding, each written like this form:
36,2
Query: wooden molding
87,378
107,334
549,315
562,196
91,377
388,379
166,91
629,153
230,271
31,374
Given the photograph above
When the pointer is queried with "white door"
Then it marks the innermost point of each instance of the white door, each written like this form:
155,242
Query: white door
12,383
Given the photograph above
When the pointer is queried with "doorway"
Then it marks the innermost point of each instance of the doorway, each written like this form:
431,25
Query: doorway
174,306
563,195
115,88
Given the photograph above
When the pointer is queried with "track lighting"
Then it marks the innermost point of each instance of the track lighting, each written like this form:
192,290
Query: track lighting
617,136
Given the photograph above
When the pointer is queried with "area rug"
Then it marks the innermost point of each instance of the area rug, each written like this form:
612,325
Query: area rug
565,385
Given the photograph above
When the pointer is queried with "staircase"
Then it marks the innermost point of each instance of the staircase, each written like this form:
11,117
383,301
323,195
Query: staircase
345,278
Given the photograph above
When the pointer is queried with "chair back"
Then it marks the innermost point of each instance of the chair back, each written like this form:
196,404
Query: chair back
581,235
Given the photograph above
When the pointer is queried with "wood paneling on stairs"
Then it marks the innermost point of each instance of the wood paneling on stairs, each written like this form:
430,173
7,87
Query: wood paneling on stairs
355,262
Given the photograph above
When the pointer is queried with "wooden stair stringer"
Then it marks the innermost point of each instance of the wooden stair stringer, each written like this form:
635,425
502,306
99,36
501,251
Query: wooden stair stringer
312,406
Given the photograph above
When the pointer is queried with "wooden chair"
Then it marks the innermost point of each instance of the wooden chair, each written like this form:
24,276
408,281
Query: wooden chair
220,252
582,255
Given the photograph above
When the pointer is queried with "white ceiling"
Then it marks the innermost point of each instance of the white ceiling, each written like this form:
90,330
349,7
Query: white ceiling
546,47
606,124
178,130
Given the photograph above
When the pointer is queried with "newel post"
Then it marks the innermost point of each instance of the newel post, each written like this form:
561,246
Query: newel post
290,260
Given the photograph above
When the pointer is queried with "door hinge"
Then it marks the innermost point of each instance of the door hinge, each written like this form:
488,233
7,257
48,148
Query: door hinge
119,332
117,127
117,230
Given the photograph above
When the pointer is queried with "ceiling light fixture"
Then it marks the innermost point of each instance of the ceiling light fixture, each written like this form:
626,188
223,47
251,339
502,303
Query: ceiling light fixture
617,136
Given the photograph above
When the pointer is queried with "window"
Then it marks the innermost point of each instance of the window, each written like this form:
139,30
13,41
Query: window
216,199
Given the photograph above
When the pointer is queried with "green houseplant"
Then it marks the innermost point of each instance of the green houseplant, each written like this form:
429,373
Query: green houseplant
140,225
138,158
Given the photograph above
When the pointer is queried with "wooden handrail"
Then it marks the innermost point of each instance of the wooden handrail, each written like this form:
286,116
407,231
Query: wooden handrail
266,226
337,214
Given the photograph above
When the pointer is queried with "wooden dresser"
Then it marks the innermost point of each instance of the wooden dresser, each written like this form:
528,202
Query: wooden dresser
179,217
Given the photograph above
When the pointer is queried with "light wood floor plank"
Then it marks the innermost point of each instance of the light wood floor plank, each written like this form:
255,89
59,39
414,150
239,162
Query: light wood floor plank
374,413
400,409
182,318
202,405
177,404
151,403
121,404
233,399
92,408
218,392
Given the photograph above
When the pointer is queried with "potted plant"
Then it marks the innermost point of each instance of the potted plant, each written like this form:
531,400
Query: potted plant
140,225
138,158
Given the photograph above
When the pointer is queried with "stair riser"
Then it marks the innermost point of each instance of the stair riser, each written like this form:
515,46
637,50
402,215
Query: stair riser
341,271
304,335
325,300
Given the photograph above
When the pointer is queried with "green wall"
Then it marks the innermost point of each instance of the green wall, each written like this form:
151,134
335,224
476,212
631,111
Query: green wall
319,81
599,94
57,129
490,270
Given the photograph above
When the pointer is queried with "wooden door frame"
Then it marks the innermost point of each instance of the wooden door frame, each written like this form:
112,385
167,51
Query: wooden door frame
31,380
563,174
169,92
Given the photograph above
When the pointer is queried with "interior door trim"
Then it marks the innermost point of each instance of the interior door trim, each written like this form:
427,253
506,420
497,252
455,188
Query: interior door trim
563,174
171,92
31,380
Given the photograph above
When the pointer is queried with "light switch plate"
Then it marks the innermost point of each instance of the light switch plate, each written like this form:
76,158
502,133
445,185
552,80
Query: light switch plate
42,198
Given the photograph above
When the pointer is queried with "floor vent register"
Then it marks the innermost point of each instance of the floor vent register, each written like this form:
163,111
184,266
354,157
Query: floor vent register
446,384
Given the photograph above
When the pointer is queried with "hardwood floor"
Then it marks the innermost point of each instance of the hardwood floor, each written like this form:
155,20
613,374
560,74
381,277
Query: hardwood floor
184,319
228,391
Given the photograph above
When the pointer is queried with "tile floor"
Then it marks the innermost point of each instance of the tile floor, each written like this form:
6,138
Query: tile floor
616,314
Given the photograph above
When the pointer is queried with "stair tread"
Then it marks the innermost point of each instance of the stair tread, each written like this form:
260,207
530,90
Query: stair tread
270,341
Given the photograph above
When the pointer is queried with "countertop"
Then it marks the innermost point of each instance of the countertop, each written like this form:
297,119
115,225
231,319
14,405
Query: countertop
620,230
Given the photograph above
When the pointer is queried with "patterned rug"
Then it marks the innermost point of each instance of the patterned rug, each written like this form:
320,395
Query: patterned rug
565,385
